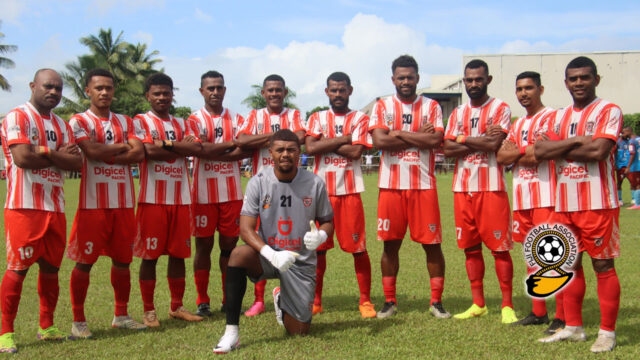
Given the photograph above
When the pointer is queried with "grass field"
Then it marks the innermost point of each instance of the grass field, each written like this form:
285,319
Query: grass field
340,332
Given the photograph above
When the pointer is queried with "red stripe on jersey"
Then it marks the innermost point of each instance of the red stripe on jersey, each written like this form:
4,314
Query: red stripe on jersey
161,191
562,199
58,131
414,176
483,177
331,125
227,132
143,180
518,197
534,192
330,180
584,198
349,181
394,178
416,112
102,195
176,128
602,168
212,190
56,195
17,200
466,174
122,195
232,187
177,193
397,108
83,185
37,195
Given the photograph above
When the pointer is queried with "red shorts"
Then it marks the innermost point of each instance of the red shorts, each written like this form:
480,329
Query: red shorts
483,217
620,174
224,217
348,219
417,208
634,179
108,232
163,230
597,231
34,234
525,220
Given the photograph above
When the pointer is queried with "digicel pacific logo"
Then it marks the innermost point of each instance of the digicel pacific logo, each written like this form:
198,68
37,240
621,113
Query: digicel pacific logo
282,240
267,162
168,170
337,161
528,173
405,154
217,167
108,171
574,171
477,157
50,175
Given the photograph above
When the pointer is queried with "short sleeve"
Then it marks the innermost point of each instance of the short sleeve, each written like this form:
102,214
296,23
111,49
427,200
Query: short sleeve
17,128
250,126
378,114
360,134
68,134
239,122
452,130
297,123
609,123
188,129
140,130
435,116
512,135
324,211
251,203
503,117
79,128
314,128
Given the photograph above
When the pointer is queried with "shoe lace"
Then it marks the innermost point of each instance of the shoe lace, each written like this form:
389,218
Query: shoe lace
151,316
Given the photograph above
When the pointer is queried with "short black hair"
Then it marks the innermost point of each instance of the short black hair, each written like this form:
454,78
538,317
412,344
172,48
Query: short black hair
404,61
97,72
530,75
158,79
284,135
339,76
211,74
35,76
580,62
273,77
476,64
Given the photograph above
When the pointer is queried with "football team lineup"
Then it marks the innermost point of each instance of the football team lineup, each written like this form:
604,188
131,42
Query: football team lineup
288,218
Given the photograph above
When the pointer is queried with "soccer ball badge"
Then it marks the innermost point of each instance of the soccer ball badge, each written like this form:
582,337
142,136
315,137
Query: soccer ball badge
552,251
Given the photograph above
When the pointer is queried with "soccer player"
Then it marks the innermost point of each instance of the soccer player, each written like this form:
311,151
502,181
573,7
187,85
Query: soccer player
38,146
623,160
288,200
633,172
474,134
217,190
533,181
581,140
407,128
163,215
255,134
337,137
105,222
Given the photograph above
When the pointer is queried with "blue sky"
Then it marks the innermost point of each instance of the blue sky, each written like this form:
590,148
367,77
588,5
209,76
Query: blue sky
306,40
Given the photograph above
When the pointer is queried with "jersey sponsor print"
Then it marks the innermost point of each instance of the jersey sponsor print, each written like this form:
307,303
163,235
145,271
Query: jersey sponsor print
341,175
216,181
261,122
478,171
411,168
38,189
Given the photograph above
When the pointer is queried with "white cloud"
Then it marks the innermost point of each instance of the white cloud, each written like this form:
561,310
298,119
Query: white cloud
143,37
11,10
202,16
128,6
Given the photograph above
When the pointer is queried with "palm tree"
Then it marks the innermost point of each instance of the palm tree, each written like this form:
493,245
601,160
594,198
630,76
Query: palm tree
109,52
256,101
6,62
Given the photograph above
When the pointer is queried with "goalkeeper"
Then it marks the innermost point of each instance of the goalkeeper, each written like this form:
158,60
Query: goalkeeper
288,201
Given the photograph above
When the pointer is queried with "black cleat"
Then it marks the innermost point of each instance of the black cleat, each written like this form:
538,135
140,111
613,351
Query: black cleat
532,319
204,310
223,309
555,326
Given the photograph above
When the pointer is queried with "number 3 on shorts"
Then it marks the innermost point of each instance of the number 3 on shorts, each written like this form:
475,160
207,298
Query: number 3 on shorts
89,248
384,224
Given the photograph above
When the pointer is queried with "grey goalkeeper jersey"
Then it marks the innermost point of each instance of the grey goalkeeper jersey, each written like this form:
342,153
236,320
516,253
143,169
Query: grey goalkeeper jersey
285,209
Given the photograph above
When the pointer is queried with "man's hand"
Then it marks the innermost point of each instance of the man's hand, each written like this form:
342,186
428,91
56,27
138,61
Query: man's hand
314,238
394,133
189,139
494,130
282,260
509,145
72,149
428,128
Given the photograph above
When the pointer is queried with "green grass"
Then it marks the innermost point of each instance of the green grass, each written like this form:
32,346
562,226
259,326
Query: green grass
340,332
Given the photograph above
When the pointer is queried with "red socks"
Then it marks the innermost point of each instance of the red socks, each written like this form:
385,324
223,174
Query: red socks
475,271
437,286
258,291
389,288
147,288
202,284
320,269
362,265
176,287
10,291
223,276
609,297
78,287
48,290
573,297
504,271
560,306
121,282
539,306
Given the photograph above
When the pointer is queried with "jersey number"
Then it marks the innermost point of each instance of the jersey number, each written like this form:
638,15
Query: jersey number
572,128
89,248
285,201
275,127
407,119
25,252
525,134
109,135
384,224
51,135
152,243
338,129
218,132
201,221
171,135
474,122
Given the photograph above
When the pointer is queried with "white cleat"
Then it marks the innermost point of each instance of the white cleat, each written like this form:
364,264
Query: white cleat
126,322
276,305
80,330
573,333
606,341
228,342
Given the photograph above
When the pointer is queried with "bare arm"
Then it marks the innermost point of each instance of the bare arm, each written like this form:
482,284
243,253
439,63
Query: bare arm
489,143
315,146
508,153
135,154
545,149
301,135
156,152
25,156
235,155
422,140
327,226
594,150
632,157
248,232
456,150
212,151
353,152
188,146
383,141
246,141
102,152
66,157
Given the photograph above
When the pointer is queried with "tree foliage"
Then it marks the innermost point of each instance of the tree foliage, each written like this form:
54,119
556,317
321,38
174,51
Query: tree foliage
256,101
633,120
6,62
129,63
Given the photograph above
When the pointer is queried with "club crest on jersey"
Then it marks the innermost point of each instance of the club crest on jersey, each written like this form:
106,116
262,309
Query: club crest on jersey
590,126
550,250
260,126
154,134
285,226
306,201
266,202
497,234
388,118
323,126
432,227
34,134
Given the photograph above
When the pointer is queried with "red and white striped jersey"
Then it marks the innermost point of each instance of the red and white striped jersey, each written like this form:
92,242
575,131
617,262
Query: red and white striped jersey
478,171
587,185
341,175
104,185
533,187
37,189
216,181
261,122
164,182
411,168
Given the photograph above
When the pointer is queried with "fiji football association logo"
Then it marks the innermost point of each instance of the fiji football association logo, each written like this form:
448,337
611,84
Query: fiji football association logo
551,251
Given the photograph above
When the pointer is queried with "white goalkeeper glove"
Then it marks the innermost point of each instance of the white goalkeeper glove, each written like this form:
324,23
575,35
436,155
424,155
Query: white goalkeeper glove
282,260
314,238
